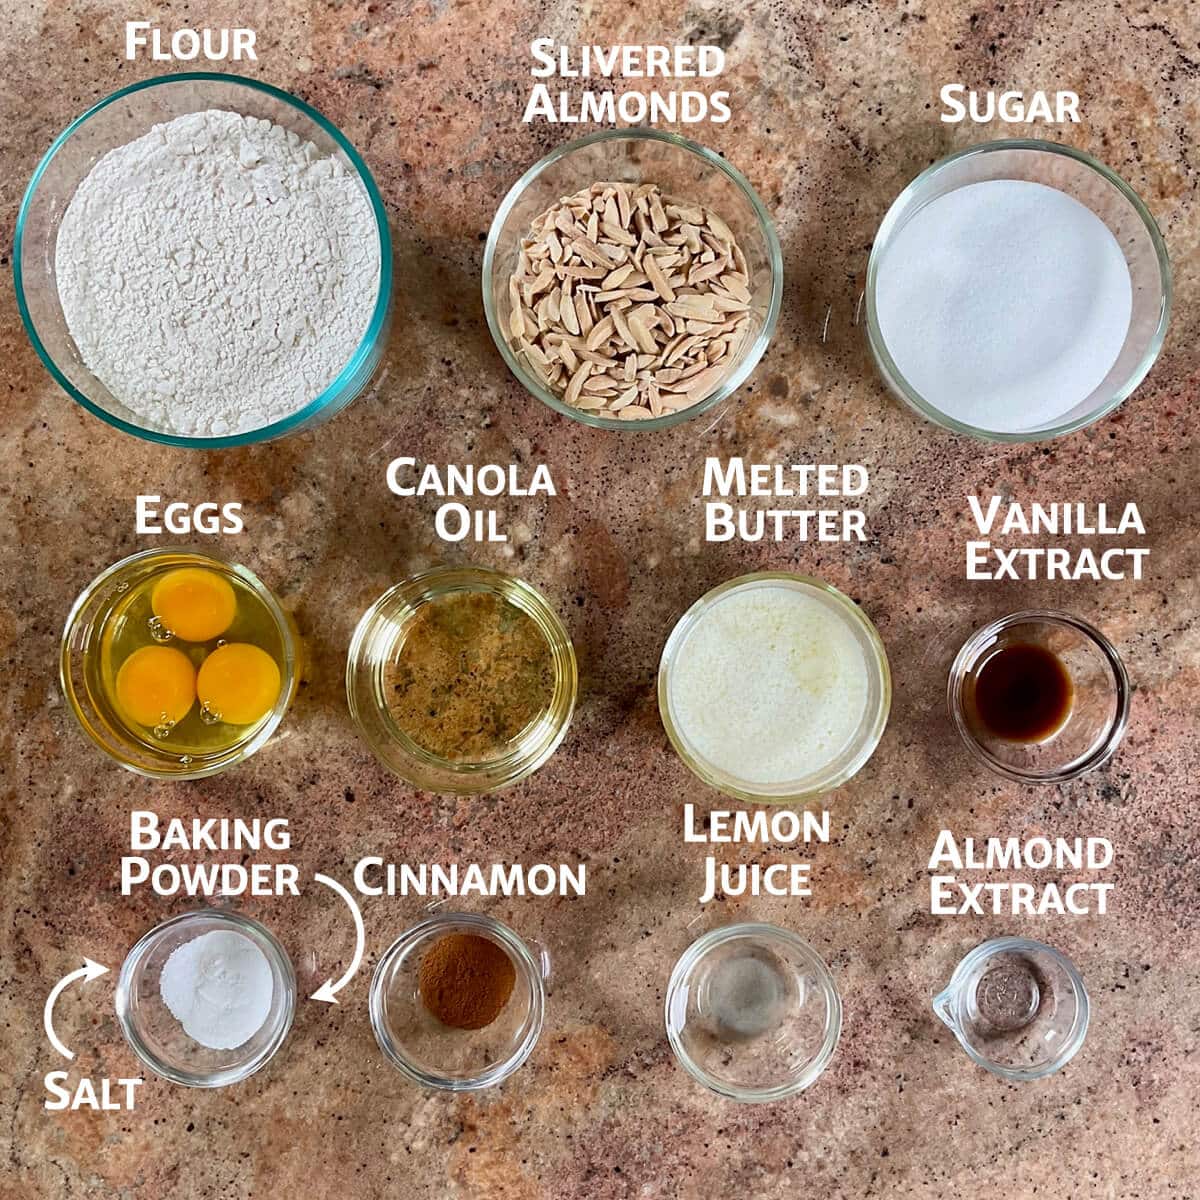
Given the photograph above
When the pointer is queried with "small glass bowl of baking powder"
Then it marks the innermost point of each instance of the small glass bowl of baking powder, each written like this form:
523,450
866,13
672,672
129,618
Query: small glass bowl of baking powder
157,1036
684,170
118,120
752,1012
1103,227
433,1055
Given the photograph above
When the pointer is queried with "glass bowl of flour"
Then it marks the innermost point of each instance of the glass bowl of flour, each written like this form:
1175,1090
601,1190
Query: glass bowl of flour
1017,291
203,260
206,998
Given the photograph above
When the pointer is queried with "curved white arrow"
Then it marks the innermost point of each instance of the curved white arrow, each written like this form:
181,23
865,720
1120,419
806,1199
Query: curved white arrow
89,970
327,992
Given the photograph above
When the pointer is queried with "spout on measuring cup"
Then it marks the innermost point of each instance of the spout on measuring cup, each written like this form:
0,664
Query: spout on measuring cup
943,1006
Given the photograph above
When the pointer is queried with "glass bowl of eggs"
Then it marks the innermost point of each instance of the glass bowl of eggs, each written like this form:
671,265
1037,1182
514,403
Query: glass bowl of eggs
177,664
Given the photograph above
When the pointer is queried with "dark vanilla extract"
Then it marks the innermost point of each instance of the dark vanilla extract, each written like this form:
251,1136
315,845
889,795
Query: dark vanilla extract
1023,693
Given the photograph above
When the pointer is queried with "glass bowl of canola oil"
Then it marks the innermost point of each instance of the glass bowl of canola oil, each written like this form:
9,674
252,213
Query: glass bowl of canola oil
752,1012
118,120
1039,696
1107,291
458,1001
462,680
157,1035
683,170
177,664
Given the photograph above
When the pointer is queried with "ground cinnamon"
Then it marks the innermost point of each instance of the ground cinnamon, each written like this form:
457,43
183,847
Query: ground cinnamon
466,980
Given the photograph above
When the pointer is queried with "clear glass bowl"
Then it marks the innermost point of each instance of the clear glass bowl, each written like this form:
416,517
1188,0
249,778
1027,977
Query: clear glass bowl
1099,713
752,1012
1018,1008
856,752
81,649
381,632
681,168
115,121
158,1039
433,1055
1111,199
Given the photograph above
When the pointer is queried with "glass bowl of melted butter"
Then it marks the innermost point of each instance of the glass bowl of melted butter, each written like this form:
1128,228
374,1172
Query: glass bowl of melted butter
462,680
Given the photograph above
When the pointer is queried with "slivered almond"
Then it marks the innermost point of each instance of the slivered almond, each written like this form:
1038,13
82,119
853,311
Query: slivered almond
657,279
616,277
571,395
623,330
642,335
628,302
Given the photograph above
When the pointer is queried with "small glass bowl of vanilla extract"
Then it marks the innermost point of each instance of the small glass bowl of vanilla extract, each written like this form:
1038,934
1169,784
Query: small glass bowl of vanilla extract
177,664
1039,696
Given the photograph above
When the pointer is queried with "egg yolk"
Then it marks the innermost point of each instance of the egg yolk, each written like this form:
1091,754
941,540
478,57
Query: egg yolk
194,604
156,685
238,683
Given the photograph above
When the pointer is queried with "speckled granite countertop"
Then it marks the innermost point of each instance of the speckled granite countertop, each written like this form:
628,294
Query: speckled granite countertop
834,111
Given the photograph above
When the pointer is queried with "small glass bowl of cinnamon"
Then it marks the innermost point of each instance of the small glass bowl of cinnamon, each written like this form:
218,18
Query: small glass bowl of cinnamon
462,680
458,1001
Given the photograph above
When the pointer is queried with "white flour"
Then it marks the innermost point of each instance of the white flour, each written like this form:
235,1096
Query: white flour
217,273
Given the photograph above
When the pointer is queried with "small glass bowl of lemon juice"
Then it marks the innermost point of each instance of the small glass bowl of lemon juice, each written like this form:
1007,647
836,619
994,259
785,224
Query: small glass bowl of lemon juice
177,664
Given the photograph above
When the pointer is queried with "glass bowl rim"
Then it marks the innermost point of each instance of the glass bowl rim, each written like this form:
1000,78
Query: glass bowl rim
975,643
512,767
264,939
877,664
950,996
762,931
895,377
754,351
289,668
523,960
329,396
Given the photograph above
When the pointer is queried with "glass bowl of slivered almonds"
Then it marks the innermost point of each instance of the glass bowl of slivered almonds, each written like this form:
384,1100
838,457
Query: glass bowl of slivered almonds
632,279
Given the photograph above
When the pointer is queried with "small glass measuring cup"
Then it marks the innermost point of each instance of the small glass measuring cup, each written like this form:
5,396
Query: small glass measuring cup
1018,1008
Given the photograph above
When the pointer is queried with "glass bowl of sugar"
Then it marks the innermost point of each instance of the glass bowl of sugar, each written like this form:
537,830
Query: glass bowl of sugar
206,998
204,260
1017,291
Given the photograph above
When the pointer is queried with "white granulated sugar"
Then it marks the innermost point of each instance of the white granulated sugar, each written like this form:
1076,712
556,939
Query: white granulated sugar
1004,303
217,273
218,987
769,685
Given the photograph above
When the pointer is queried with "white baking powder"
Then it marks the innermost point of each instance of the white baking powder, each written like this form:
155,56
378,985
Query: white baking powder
770,685
217,273
1004,304
218,987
